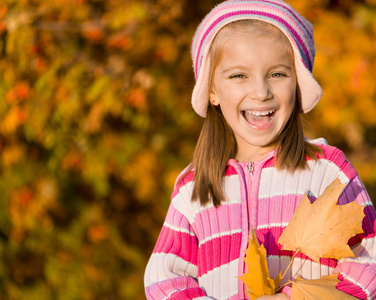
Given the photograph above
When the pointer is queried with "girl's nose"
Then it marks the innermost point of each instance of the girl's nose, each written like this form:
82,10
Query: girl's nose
259,90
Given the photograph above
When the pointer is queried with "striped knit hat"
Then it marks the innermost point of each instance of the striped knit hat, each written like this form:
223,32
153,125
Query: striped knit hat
276,12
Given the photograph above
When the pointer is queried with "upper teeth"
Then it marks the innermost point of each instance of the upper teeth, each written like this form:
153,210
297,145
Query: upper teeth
260,113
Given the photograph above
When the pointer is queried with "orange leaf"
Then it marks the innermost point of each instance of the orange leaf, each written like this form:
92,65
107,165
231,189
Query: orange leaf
257,279
322,229
318,289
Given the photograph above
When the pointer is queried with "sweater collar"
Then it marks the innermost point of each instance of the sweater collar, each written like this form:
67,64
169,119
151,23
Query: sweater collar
270,155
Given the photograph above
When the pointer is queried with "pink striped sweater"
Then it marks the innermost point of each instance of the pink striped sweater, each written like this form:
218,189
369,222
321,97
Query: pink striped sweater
199,251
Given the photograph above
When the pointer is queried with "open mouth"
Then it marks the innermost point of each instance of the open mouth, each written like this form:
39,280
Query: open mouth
259,118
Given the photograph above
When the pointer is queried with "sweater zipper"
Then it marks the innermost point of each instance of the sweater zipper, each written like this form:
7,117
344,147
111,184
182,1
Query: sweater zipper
248,181
249,192
251,167
246,171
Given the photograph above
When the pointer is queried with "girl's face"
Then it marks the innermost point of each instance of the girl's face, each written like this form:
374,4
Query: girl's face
255,85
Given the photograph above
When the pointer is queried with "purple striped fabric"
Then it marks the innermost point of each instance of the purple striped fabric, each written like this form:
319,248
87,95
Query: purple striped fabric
284,7
302,47
200,249
283,16
304,51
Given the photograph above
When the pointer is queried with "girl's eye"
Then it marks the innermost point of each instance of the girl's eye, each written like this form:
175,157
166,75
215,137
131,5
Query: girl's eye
238,76
277,75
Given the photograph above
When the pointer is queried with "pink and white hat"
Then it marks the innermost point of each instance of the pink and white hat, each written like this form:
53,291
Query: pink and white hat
276,12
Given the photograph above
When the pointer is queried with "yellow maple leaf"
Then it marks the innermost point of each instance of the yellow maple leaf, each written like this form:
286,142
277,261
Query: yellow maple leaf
257,280
318,289
322,229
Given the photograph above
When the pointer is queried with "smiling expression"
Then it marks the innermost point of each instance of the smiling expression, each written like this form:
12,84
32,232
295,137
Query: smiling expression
254,83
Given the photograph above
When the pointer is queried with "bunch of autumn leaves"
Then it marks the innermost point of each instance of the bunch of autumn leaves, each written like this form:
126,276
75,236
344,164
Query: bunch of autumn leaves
321,229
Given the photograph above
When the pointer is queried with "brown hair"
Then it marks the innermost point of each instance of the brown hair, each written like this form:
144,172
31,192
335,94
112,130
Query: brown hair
217,143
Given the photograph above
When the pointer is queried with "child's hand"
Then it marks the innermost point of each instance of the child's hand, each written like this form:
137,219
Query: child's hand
279,296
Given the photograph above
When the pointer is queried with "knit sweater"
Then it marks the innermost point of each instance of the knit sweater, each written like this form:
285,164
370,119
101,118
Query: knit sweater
199,253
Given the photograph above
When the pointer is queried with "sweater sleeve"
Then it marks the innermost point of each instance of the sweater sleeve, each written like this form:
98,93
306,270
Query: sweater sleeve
357,275
172,270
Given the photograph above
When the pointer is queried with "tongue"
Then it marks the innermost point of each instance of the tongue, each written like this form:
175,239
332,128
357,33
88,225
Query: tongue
257,120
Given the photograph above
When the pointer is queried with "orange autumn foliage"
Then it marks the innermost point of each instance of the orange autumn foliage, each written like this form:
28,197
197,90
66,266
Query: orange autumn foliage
257,279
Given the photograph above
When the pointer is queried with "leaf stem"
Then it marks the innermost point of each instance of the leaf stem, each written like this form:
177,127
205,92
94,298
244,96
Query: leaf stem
287,283
290,264
301,267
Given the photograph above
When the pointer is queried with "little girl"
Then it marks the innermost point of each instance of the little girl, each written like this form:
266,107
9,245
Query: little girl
252,164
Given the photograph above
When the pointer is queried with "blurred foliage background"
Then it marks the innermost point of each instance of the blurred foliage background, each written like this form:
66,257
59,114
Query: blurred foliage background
96,123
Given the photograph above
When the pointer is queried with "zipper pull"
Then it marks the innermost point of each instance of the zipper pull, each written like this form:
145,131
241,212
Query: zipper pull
250,167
